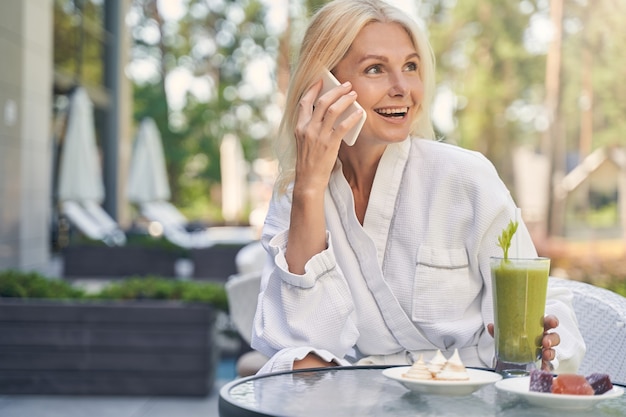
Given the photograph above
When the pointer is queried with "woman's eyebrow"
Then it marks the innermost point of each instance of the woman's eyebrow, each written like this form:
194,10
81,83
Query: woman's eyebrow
385,59
374,57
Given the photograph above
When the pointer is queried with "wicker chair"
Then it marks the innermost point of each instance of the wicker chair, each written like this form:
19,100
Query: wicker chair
242,290
601,317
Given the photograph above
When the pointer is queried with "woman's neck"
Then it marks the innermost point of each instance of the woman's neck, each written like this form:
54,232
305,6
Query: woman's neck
359,169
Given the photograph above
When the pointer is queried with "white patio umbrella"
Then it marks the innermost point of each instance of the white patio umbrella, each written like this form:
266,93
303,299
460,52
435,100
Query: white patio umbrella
80,187
80,176
148,173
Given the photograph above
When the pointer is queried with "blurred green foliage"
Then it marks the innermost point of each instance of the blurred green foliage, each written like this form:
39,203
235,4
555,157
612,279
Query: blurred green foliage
16,284
492,55
618,286
215,42
155,288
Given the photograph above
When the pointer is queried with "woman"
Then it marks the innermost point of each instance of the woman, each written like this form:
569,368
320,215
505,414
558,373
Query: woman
380,251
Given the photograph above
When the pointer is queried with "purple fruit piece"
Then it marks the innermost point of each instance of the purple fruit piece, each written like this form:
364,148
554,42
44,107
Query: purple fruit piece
540,381
600,383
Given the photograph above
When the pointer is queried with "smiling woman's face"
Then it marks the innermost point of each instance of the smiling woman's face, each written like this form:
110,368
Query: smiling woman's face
383,67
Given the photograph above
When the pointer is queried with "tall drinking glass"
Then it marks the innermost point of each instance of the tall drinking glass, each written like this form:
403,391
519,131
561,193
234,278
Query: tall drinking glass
519,300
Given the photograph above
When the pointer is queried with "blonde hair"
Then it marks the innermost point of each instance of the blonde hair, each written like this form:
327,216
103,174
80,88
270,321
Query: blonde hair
326,41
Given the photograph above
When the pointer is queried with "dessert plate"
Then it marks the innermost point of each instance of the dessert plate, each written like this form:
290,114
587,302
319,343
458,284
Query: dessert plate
477,379
519,386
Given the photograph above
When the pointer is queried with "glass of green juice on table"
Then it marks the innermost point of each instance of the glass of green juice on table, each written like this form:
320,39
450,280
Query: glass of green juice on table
519,298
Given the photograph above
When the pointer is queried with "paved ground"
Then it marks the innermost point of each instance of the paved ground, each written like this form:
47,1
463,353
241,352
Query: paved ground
86,406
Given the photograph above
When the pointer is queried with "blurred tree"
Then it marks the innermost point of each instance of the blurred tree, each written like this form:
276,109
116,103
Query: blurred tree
79,41
208,74
510,88
313,5
590,105
481,58
593,105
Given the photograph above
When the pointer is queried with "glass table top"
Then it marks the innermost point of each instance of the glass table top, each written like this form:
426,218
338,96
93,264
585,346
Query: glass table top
365,392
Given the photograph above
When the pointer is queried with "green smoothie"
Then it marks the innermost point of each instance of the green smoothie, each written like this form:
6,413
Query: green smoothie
519,298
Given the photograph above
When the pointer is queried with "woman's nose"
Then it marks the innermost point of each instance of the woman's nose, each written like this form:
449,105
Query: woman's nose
399,85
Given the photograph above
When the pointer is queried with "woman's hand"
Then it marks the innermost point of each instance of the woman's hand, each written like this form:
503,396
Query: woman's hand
548,342
317,147
317,138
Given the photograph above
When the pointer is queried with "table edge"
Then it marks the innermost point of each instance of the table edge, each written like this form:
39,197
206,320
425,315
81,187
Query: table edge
223,401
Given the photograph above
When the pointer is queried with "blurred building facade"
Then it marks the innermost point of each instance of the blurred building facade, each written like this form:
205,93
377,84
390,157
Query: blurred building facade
48,47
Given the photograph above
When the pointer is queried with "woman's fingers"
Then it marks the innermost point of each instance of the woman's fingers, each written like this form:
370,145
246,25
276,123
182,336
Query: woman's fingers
318,116
548,354
550,322
307,101
549,341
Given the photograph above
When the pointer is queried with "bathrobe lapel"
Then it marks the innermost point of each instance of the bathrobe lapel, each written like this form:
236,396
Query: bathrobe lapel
369,242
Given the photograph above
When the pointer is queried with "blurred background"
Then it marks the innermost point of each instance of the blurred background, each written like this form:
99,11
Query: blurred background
535,85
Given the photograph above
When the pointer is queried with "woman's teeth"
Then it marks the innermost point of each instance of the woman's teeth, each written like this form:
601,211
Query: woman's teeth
393,112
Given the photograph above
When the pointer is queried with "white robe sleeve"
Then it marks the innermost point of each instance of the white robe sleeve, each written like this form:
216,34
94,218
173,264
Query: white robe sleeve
306,311
283,360
571,350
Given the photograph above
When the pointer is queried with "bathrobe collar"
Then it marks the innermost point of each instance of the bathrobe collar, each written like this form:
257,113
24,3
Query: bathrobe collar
369,240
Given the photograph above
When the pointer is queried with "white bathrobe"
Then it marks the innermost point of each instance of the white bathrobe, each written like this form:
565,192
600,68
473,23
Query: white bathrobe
414,278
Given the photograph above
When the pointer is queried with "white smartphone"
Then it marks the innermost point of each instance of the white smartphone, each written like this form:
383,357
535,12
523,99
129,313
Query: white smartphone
330,82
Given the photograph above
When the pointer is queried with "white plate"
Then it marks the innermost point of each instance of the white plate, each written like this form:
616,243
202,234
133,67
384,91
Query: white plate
477,379
520,386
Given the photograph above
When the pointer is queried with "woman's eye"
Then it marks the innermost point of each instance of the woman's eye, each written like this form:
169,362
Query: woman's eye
374,69
411,66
